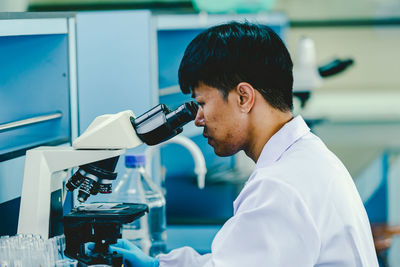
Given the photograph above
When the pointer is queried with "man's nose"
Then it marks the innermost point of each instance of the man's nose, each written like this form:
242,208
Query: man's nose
199,120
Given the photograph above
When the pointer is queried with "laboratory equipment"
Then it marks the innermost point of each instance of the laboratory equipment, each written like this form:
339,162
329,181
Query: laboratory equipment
307,75
305,71
96,152
100,223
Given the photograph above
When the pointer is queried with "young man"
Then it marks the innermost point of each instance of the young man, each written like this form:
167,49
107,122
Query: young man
300,206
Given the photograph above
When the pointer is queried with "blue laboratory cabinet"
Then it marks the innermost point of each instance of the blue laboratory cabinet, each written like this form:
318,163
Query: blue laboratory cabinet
185,203
37,88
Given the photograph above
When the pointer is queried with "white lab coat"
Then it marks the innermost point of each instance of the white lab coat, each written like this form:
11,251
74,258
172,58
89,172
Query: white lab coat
299,207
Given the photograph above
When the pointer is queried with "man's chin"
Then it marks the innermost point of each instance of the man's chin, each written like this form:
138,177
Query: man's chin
222,153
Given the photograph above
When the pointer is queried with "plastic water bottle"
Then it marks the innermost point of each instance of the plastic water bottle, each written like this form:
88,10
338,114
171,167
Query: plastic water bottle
157,215
129,189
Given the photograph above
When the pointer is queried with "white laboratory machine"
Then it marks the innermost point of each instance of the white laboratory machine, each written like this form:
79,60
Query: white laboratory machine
96,153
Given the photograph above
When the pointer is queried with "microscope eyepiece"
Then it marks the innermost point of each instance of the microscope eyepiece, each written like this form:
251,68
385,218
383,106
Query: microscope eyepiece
183,114
160,124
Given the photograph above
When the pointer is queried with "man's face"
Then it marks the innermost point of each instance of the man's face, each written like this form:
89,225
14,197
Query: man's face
223,123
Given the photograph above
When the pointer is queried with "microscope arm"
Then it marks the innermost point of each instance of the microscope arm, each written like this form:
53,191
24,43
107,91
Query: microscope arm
43,166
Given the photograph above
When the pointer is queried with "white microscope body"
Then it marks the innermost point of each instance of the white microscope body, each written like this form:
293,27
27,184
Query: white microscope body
96,153
45,167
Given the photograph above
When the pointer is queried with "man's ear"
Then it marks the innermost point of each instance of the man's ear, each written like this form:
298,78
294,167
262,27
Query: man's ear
246,96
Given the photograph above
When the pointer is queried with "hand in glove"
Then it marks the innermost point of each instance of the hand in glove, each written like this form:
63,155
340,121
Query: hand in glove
133,256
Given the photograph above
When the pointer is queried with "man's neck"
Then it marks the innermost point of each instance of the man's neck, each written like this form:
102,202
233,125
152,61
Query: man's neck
265,124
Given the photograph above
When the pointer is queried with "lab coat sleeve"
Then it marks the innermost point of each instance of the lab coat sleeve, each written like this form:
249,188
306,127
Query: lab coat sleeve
185,256
271,227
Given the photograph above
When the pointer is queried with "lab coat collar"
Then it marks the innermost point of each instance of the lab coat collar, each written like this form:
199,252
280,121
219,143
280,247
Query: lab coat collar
282,140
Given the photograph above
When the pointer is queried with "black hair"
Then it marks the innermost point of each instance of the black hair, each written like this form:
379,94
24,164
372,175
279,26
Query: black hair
225,55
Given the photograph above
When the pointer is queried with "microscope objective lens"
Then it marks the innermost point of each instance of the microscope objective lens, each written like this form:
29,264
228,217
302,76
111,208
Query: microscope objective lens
75,181
89,186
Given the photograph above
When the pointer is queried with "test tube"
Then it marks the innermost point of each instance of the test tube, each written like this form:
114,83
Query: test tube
25,250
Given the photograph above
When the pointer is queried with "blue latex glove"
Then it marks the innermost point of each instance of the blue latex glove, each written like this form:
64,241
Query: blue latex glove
133,256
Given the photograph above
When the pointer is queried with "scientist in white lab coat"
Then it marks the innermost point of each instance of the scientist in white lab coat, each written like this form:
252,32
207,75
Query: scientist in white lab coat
300,206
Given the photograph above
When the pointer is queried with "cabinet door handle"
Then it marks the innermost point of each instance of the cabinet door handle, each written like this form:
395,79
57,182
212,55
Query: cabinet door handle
29,121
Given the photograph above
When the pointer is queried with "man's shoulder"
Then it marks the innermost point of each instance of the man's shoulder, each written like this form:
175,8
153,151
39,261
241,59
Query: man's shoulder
310,153
309,168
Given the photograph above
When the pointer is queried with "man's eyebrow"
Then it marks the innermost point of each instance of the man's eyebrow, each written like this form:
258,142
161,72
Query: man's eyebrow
194,95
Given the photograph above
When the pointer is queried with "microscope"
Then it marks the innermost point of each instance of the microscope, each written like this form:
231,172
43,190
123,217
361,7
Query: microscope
95,153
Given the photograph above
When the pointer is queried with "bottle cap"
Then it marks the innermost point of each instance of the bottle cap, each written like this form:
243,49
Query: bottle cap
135,160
